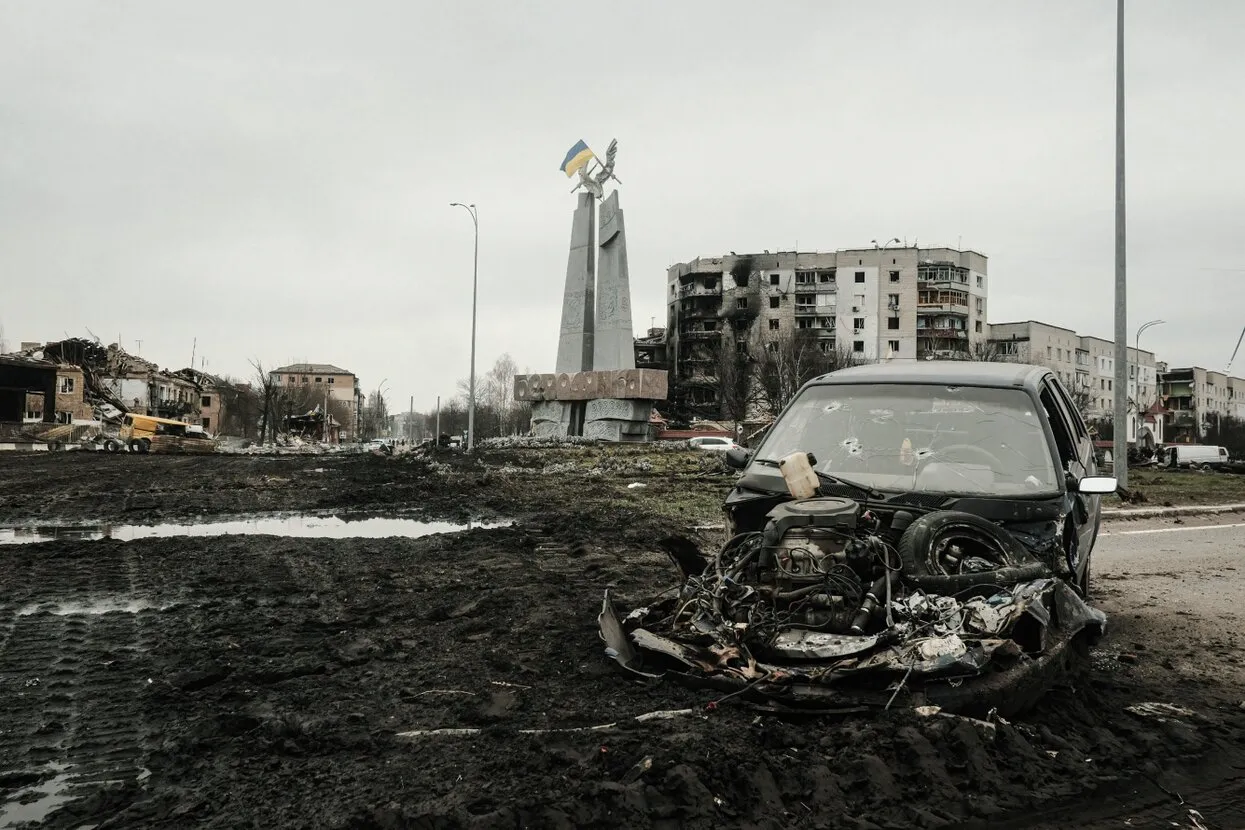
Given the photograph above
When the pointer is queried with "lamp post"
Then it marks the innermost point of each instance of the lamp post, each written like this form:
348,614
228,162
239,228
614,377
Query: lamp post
475,271
1137,359
1119,455
1142,328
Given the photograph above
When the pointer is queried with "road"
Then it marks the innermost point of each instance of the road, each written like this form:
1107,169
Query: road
1179,584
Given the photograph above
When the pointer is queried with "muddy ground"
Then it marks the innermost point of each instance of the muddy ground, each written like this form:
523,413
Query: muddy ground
264,681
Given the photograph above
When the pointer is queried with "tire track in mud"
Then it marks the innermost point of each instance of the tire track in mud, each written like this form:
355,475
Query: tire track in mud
71,670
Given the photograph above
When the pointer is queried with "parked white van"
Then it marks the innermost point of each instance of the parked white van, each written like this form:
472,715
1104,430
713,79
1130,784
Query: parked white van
1195,455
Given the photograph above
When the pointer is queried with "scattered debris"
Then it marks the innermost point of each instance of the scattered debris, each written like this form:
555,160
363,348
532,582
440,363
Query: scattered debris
1162,712
663,714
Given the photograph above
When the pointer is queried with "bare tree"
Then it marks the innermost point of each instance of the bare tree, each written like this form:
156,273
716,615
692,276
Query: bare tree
267,384
240,408
500,398
736,379
791,359
375,414
985,351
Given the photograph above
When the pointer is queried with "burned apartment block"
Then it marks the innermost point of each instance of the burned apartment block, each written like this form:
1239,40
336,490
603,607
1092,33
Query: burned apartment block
903,303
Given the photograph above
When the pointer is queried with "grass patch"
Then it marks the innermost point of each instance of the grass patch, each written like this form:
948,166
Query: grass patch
1171,488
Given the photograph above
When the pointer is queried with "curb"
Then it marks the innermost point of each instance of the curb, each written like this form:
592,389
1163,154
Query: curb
1160,512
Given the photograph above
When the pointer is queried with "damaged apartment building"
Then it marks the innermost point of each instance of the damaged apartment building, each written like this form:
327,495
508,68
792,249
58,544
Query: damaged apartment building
879,303
95,381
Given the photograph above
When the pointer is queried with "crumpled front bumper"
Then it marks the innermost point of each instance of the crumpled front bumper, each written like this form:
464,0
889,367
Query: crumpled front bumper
991,653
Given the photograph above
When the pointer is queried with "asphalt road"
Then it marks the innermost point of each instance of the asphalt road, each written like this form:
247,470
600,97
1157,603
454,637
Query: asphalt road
1177,585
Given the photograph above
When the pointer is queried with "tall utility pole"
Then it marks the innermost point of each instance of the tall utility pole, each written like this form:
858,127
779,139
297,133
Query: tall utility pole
1119,454
437,442
475,272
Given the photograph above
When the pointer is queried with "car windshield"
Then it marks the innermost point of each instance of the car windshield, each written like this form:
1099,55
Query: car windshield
919,437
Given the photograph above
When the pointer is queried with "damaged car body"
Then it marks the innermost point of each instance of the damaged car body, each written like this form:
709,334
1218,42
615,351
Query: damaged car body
905,535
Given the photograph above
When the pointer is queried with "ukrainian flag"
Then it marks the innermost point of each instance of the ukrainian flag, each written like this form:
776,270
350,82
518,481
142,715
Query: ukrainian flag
578,156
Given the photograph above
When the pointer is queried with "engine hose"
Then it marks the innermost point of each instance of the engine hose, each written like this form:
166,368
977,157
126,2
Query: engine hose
806,591
873,599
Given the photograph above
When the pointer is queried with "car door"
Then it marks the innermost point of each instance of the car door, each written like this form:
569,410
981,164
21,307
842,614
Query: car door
1085,508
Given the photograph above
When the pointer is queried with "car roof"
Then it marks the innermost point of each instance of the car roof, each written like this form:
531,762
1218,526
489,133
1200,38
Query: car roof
948,372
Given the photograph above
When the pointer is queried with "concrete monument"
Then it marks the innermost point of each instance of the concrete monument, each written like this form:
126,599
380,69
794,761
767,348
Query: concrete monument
596,392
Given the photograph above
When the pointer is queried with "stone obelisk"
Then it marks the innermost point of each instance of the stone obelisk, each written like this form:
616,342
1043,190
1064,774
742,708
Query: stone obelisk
614,347
596,392
614,419
576,342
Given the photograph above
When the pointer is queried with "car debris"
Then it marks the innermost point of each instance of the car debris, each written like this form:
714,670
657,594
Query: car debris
967,593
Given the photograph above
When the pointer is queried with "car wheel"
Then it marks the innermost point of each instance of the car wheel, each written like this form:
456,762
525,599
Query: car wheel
935,549
144,445
112,445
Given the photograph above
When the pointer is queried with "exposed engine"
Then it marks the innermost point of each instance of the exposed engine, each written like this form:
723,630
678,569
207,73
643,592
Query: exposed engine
814,568
831,590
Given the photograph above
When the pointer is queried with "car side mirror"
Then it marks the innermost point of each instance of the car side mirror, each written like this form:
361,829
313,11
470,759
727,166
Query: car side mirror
737,458
1097,485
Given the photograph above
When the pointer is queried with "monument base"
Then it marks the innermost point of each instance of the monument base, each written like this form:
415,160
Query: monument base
602,419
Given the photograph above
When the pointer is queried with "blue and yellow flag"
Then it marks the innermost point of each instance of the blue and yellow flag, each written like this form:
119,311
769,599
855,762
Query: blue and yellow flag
578,156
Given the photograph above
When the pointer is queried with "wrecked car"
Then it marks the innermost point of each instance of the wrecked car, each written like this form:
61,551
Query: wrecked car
911,535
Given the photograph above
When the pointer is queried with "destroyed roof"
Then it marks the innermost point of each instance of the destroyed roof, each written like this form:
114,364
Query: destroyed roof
25,360
312,368
201,379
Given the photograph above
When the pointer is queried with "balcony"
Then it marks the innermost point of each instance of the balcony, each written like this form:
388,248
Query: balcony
696,335
943,274
700,311
697,290
942,333
959,309
806,309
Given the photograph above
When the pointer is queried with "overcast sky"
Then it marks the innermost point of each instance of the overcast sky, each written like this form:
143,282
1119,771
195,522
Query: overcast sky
274,178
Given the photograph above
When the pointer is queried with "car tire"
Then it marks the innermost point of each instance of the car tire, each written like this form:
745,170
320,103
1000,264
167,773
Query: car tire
922,570
144,445
112,445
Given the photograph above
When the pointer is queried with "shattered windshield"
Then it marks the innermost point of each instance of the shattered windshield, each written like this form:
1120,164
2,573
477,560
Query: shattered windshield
921,437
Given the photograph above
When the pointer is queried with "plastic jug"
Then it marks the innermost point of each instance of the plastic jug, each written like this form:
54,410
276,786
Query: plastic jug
797,471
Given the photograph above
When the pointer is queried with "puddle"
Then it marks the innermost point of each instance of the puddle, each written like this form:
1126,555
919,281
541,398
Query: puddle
89,607
311,527
36,802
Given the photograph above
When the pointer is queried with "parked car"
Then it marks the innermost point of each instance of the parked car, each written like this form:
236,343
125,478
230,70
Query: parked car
380,446
920,532
713,444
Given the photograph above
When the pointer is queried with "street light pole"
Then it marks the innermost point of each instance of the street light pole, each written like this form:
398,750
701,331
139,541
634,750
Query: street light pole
1137,358
475,272
376,408
1119,456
